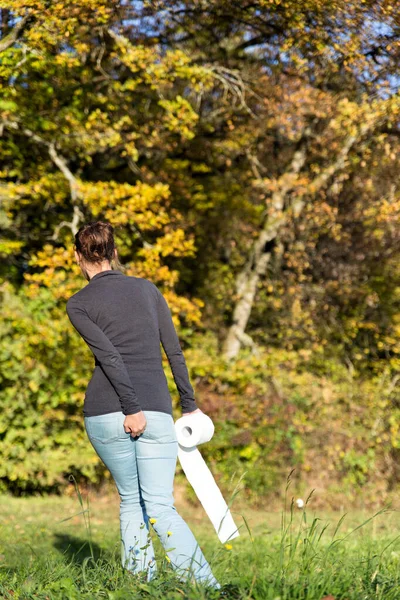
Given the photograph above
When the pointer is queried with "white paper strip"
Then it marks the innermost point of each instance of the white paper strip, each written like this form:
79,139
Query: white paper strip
192,430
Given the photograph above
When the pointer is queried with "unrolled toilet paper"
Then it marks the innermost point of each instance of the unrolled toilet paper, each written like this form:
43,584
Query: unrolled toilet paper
191,431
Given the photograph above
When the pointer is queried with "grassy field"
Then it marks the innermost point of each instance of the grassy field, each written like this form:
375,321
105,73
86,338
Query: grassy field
48,550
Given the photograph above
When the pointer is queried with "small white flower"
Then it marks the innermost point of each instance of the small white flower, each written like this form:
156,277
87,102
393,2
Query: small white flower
299,503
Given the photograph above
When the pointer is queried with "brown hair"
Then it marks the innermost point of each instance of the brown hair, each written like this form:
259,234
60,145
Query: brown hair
95,241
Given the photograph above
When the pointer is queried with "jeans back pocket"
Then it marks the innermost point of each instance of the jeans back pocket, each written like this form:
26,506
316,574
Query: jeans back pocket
105,431
160,428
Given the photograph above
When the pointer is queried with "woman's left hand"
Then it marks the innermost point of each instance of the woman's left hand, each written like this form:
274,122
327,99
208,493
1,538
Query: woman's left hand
135,424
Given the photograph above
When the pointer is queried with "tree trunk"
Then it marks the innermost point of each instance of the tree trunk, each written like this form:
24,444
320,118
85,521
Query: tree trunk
260,255
256,266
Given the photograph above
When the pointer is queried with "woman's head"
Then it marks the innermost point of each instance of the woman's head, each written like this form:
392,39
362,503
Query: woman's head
95,248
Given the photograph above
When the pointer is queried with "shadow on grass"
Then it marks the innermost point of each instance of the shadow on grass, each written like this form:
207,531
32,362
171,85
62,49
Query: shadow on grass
76,549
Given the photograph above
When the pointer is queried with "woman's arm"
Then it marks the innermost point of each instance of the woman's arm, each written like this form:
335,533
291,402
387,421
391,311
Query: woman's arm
108,356
173,350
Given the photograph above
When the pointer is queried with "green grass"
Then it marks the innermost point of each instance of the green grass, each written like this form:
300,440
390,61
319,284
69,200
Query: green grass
46,552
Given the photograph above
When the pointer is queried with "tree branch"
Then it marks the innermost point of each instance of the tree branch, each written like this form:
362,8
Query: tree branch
261,251
16,33
61,164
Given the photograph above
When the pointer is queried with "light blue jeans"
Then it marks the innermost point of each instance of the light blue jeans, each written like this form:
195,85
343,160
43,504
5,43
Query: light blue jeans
143,469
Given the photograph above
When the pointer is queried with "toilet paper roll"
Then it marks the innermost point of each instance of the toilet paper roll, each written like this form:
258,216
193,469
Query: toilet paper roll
191,431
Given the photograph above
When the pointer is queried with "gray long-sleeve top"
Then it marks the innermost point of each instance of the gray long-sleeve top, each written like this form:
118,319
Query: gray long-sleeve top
123,319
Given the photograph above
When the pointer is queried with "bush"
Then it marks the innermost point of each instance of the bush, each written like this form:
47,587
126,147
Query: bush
272,413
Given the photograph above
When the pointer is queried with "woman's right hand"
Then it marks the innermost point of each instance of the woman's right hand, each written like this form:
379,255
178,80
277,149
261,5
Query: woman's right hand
135,424
198,410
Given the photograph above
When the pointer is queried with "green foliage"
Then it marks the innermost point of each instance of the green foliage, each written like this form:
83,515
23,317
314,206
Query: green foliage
337,429
41,432
194,137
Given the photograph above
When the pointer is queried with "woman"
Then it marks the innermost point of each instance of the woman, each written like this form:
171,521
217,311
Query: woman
128,408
